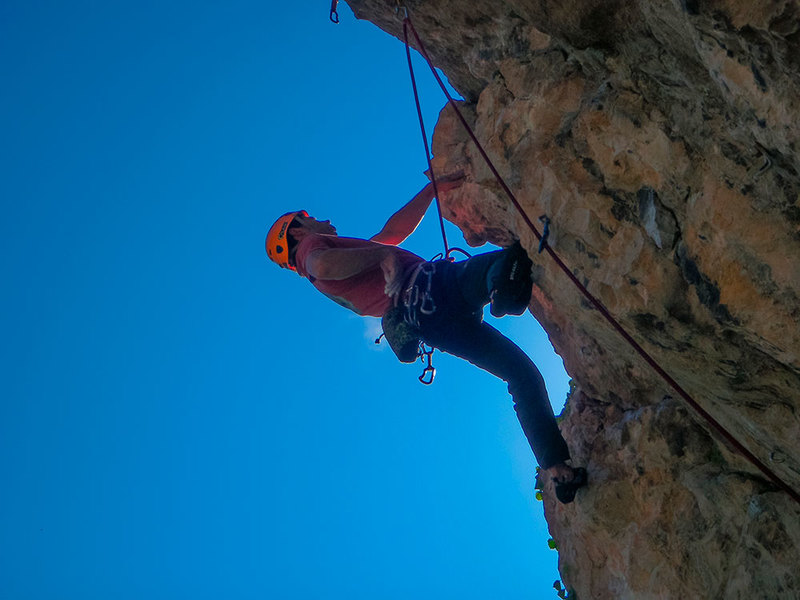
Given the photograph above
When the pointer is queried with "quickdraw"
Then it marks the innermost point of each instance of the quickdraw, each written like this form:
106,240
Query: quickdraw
418,301
546,233
427,306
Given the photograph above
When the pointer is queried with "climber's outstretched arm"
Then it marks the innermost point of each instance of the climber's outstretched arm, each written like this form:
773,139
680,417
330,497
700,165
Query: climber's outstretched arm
403,223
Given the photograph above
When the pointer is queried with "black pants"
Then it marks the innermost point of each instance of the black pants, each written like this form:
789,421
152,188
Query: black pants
460,291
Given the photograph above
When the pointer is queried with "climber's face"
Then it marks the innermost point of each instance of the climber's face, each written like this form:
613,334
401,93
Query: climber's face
312,225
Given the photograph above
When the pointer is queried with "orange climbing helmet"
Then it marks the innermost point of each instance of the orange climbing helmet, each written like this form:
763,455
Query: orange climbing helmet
276,243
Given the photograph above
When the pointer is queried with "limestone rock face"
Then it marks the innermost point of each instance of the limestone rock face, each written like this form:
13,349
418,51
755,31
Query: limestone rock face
660,137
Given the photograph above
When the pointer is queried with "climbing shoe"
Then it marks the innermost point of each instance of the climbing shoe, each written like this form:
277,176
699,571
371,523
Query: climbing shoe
565,491
511,283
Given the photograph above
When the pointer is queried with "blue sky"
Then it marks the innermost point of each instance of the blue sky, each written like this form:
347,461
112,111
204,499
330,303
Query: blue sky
179,417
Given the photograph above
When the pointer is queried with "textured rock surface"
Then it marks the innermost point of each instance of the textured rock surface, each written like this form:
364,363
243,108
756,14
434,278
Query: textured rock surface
661,139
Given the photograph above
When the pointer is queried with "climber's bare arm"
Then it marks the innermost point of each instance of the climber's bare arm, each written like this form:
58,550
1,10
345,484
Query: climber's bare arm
403,223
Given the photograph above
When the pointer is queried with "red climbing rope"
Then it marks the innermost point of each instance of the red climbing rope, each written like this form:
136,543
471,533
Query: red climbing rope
716,425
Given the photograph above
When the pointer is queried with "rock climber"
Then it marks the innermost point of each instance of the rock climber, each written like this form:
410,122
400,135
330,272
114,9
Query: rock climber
441,302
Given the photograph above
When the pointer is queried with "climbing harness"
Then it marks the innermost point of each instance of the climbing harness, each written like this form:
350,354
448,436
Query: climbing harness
414,302
416,299
542,238
400,323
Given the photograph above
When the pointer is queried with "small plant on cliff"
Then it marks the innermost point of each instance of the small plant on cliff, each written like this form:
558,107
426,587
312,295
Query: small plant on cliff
538,486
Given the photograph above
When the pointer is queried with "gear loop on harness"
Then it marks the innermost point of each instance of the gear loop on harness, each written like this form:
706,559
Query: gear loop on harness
417,298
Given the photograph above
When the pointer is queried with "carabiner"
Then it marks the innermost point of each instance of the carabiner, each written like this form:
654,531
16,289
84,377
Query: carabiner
546,233
334,13
428,306
400,7
429,368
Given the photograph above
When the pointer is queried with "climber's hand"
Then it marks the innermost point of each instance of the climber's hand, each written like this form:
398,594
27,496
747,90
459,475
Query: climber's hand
448,182
392,273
